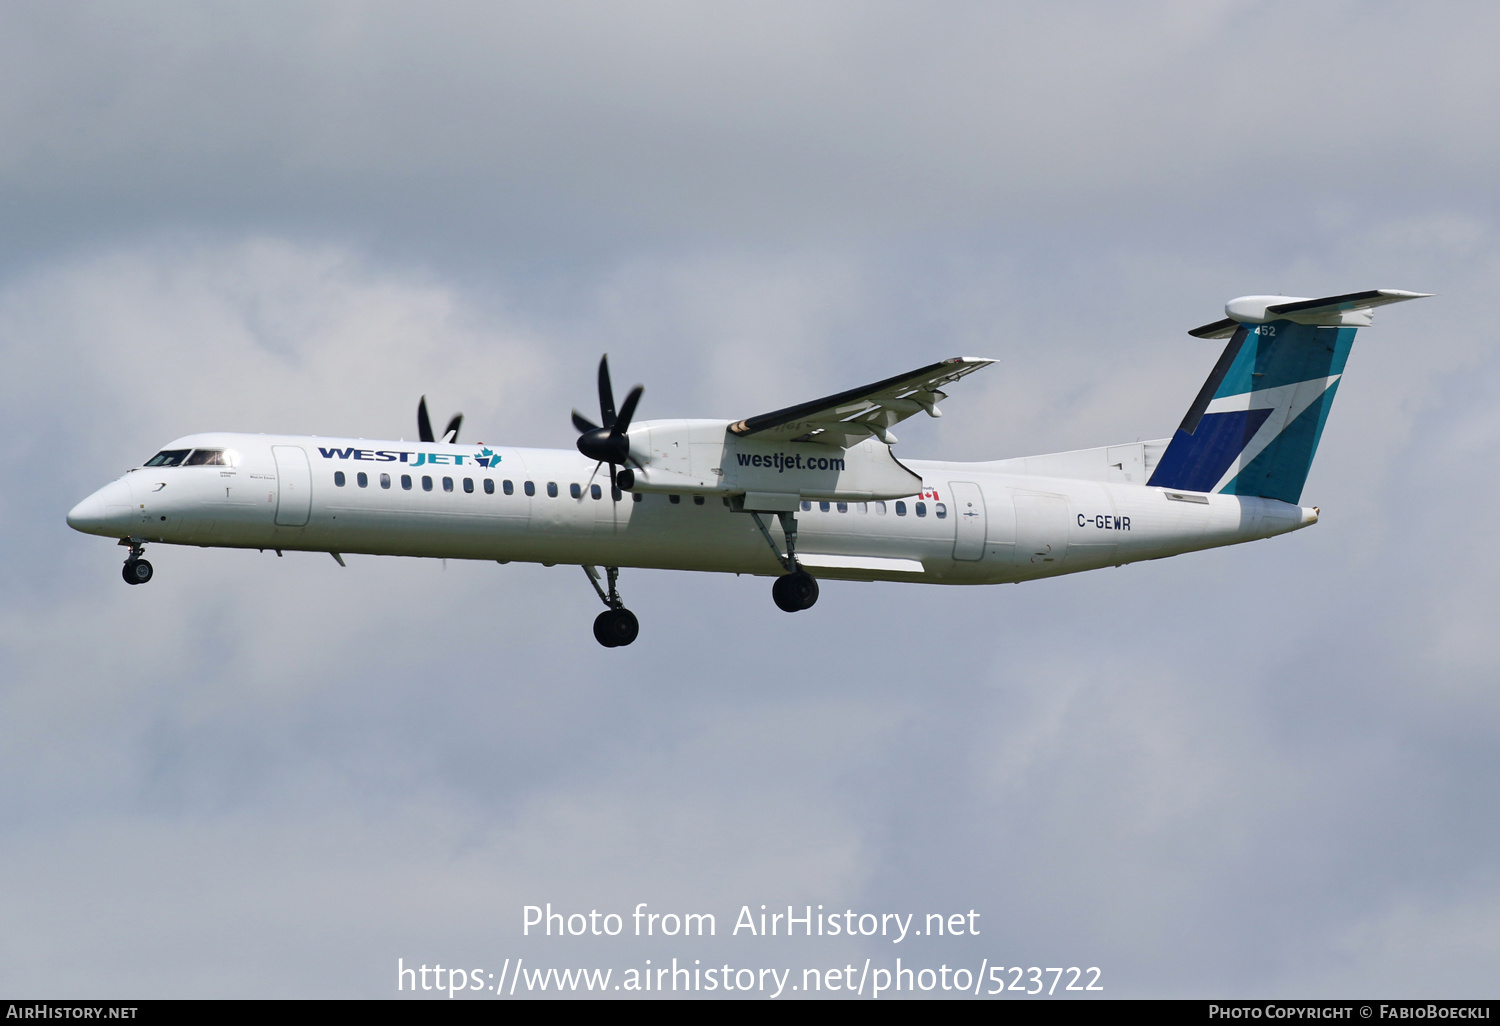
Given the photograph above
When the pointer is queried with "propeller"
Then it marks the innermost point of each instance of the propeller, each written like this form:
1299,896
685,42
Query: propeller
608,443
424,425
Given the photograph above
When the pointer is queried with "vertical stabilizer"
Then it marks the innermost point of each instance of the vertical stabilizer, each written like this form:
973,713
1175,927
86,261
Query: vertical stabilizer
1255,425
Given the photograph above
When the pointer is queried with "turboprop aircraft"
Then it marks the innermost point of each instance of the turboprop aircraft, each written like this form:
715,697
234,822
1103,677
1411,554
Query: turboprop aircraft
800,494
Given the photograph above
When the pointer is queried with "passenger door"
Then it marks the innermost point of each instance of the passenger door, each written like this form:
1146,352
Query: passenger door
969,520
293,485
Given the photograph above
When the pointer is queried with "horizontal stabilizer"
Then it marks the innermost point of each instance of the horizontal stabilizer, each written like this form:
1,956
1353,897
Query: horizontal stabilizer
1352,310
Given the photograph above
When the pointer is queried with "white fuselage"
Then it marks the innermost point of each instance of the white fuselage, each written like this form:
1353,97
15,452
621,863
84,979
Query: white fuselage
973,523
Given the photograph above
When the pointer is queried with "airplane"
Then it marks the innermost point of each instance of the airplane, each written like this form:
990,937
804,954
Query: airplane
801,494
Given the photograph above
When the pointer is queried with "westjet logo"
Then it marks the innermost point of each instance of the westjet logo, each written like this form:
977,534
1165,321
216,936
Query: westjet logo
782,462
484,458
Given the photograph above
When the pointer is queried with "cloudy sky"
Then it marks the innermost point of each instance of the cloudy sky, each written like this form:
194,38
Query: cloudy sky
1261,771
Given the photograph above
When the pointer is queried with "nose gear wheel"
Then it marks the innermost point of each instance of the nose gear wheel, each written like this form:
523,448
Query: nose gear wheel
136,570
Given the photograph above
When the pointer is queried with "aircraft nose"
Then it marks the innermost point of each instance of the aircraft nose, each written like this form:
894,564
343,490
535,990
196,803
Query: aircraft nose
105,512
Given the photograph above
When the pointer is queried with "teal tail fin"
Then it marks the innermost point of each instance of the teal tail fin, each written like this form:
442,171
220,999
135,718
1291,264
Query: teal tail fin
1255,425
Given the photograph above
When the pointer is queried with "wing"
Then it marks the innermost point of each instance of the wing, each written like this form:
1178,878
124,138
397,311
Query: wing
850,417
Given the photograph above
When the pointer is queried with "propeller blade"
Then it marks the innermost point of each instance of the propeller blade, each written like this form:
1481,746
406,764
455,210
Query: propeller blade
424,426
450,433
606,394
608,444
622,423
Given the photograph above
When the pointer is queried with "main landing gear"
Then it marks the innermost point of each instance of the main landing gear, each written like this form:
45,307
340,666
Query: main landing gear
136,569
617,626
796,589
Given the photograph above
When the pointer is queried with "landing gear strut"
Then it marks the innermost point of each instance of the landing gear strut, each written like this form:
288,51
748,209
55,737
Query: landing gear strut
617,626
136,569
796,589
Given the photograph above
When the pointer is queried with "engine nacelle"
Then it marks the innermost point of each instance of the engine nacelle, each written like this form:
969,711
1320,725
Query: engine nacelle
701,457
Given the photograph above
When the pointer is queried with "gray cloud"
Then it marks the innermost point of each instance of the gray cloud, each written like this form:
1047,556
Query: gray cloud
567,129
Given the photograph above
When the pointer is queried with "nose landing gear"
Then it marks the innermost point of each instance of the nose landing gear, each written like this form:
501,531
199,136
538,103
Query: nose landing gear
136,569
617,626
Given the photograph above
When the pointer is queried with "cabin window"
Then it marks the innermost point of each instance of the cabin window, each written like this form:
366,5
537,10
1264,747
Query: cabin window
469,485
697,500
940,509
806,506
168,458
880,509
338,478
385,480
921,509
575,491
863,507
508,488
530,488
447,484
489,486
212,458
426,483
595,491
900,509
843,507
362,479
674,499
551,489
823,506
406,482
638,497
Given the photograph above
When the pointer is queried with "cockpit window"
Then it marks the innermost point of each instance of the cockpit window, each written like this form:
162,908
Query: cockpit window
168,458
212,458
